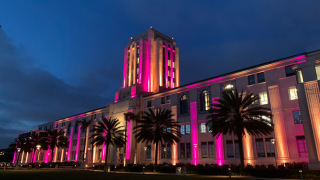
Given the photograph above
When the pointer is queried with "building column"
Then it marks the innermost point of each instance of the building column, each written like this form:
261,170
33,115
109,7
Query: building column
175,145
194,132
70,143
308,97
279,127
78,142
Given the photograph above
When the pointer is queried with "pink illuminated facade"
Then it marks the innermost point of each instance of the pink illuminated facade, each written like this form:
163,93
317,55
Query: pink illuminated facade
288,86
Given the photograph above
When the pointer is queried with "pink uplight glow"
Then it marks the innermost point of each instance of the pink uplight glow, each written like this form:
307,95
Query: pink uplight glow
14,157
194,132
125,68
78,141
34,152
166,66
104,144
133,91
219,144
171,69
129,123
47,156
70,143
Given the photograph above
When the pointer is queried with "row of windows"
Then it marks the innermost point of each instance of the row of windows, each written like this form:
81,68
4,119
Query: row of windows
251,79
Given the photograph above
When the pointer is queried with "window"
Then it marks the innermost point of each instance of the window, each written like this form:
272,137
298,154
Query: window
188,150
260,148
95,116
300,76
163,152
149,103
254,103
269,148
317,67
297,117
188,129
236,147
168,151
76,127
137,70
148,152
204,152
173,64
263,98
289,71
204,100
163,100
183,104
56,125
138,59
211,149
169,74
292,93
261,77
251,79
302,146
203,127
182,129
168,99
172,74
100,153
169,63
69,127
182,150
169,130
230,152
74,142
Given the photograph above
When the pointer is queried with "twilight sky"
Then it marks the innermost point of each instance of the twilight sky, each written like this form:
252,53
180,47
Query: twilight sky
59,58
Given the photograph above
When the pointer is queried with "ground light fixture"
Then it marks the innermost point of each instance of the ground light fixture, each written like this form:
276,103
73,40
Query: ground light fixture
143,169
300,172
229,169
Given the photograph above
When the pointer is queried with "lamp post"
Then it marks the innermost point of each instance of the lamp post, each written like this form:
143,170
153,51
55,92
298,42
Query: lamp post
273,142
18,149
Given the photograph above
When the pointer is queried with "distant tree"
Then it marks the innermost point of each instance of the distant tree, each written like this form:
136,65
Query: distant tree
54,138
234,114
157,127
108,132
22,143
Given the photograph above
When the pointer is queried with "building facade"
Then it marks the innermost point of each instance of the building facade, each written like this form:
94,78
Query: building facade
151,80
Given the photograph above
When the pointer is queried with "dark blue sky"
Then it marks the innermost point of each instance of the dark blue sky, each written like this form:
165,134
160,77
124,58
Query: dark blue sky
59,58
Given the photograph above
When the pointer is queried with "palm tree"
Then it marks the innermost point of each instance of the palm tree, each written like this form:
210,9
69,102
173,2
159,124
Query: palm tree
233,114
35,139
55,138
130,116
108,132
22,143
157,127
85,126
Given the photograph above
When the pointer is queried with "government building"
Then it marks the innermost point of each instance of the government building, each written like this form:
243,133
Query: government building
288,86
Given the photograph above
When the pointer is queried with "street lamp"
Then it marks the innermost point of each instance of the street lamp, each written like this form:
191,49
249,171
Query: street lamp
273,142
18,149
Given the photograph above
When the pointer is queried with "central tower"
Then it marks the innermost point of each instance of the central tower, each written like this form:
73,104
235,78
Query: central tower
151,62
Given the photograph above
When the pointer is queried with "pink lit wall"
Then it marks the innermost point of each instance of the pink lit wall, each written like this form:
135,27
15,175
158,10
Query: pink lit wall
128,148
140,62
171,65
78,142
166,66
133,91
125,68
34,155
70,143
194,132
46,158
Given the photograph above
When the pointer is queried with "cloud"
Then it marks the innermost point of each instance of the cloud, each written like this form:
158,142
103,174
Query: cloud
30,95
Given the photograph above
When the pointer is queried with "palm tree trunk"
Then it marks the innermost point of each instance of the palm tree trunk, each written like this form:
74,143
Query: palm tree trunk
85,142
92,153
18,158
241,150
125,146
156,156
52,154
106,158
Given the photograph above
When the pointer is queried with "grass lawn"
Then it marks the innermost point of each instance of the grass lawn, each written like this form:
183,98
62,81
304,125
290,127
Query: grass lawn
87,175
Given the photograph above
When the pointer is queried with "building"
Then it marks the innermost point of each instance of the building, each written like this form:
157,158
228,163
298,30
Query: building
151,80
